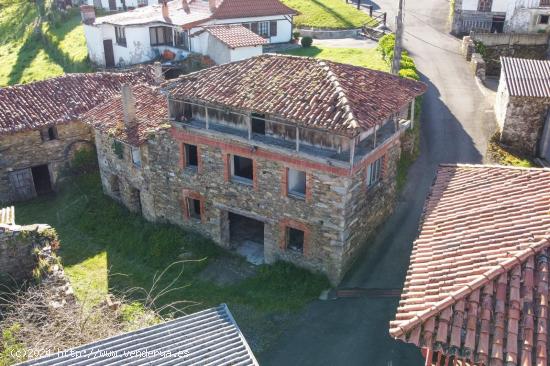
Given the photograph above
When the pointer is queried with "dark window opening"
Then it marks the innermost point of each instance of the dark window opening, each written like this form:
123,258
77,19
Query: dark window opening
187,112
544,19
258,123
296,183
273,28
114,186
49,134
182,40
120,35
374,172
498,24
295,240
41,178
485,5
243,168
194,207
191,156
161,36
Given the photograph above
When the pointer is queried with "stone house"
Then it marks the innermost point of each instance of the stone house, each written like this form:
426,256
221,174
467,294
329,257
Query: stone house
522,106
476,291
224,30
40,129
496,16
276,157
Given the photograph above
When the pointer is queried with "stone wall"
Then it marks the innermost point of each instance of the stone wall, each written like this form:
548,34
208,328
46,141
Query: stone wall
523,123
24,150
18,259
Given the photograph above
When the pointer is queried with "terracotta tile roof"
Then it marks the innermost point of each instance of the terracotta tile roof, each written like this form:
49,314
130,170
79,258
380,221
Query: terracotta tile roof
251,8
235,35
526,78
60,100
477,284
340,98
151,115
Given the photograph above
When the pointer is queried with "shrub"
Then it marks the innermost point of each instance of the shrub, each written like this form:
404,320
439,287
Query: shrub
385,45
296,35
307,42
409,73
84,160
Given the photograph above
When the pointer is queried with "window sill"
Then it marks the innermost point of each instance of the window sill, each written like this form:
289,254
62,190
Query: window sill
191,169
121,45
243,181
297,196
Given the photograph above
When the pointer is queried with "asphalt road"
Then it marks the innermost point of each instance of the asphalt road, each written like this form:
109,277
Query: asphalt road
456,125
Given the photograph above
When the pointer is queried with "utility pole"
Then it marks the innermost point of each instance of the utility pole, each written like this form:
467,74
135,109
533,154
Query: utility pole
398,48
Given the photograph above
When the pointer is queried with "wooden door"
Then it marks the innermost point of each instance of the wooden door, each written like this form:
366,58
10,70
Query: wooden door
112,4
21,185
545,139
109,53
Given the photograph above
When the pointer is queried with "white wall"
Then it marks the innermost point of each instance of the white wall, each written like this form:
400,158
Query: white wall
500,6
284,27
217,50
242,53
129,3
469,5
525,20
94,42
501,102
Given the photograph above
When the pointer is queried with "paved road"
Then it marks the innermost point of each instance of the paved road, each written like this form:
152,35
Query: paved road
457,124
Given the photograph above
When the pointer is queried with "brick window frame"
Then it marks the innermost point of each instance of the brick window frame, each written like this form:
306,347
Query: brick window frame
284,184
227,162
383,169
183,158
186,194
285,224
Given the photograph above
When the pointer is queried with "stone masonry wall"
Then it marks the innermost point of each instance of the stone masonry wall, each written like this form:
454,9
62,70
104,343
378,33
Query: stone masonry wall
17,245
26,149
523,123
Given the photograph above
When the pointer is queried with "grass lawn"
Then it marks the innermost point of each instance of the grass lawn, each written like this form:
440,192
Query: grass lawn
106,248
370,58
27,56
333,14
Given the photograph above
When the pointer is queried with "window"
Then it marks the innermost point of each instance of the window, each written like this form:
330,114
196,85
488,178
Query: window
258,123
544,19
136,156
120,35
48,134
295,240
263,29
182,41
485,5
242,168
544,2
160,36
373,172
296,183
273,28
191,156
194,208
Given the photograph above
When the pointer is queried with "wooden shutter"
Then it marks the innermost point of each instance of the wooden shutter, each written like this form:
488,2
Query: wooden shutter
273,29
254,27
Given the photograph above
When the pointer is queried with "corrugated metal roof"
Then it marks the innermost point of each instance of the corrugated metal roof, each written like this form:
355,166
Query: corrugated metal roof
209,337
527,78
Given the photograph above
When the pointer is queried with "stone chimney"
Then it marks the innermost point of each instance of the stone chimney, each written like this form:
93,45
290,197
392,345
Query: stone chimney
158,76
213,5
185,6
165,13
87,12
128,105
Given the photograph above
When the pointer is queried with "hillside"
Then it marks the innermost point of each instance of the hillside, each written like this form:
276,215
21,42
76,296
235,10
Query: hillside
333,14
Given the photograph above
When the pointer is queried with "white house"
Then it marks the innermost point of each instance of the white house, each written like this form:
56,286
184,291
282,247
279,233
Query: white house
184,26
519,16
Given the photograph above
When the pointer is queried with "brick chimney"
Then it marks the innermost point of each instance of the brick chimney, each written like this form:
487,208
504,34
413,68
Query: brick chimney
158,76
165,13
185,6
87,12
128,105
213,5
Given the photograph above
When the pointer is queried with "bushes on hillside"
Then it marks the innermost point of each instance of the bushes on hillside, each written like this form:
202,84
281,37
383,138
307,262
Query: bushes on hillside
407,66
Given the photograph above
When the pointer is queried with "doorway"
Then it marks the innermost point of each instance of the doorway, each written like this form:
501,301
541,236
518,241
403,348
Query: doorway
41,179
109,53
545,139
246,235
112,5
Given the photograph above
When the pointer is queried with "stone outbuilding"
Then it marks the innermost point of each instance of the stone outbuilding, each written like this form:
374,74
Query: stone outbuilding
40,129
275,157
522,106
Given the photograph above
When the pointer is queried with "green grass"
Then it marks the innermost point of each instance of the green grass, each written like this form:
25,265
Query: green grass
329,14
106,248
499,154
370,58
28,54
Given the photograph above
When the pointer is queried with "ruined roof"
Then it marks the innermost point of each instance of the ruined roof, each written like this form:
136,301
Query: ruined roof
151,115
208,337
477,284
235,35
527,78
7,216
251,8
199,12
313,93
62,99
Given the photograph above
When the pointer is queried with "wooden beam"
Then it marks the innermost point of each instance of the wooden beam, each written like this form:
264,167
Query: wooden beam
351,151
207,117
297,139
375,128
249,126
412,113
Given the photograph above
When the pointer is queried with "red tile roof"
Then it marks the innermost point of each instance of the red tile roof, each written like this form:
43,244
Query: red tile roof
151,115
61,99
251,8
477,284
340,98
235,35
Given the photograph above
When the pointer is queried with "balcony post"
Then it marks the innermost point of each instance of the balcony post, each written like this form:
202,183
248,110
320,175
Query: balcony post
206,117
297,139
249,125
351,151
375,128
412,113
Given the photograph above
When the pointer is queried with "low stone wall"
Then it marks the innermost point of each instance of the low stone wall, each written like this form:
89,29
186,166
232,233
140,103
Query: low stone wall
328,33
19,247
